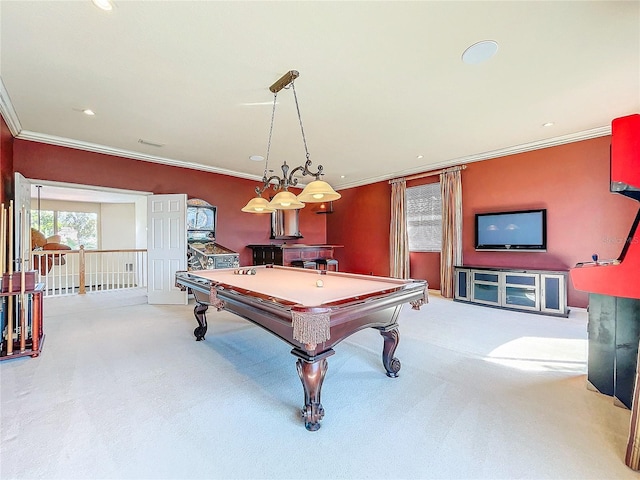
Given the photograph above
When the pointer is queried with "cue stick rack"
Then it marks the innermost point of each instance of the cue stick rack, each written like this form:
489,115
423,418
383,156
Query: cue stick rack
21,332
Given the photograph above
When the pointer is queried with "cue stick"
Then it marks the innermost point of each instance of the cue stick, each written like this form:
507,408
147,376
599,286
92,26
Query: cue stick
23,324
36,311
10,286
3,239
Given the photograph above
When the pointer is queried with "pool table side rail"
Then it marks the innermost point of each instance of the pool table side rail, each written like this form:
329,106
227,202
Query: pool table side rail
201,283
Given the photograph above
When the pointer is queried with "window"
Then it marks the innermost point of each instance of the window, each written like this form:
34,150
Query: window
74,228
424,218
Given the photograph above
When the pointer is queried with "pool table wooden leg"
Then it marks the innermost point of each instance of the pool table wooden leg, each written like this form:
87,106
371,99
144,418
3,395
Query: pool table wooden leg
391,340
312,375
199,311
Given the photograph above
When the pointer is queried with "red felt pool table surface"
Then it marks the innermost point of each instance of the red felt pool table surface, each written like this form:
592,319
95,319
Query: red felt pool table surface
298,285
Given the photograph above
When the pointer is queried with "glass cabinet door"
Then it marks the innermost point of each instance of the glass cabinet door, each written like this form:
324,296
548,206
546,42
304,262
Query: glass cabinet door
521,290
553,293
485,287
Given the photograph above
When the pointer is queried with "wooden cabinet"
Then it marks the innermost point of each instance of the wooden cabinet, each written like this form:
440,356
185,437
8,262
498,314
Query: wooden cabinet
284,254
267,254
537,291
21,323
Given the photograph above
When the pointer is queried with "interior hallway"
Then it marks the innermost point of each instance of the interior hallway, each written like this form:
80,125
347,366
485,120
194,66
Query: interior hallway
122,390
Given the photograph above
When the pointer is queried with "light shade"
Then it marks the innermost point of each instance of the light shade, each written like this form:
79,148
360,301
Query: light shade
285,200
258,205
318,192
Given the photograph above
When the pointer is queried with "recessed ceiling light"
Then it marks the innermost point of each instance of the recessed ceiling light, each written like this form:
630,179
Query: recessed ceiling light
256,158
480,52
106,5
548,124
342,176
88,111
420,156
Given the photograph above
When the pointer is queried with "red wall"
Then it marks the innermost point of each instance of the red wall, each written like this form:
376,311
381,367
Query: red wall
6,162
360,222
571,181
234,230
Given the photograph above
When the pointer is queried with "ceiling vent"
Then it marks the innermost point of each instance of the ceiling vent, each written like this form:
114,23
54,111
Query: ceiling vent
145,142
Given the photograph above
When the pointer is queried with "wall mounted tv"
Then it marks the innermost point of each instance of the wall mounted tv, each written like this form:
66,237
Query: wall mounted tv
524,230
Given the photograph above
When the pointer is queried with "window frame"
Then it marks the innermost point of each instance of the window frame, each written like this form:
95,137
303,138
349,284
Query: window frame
415,195
57,228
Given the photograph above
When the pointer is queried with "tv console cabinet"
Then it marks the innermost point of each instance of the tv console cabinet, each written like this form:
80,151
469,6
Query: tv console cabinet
535,291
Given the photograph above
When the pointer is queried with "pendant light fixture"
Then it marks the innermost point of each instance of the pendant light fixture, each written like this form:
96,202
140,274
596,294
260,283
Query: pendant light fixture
315,192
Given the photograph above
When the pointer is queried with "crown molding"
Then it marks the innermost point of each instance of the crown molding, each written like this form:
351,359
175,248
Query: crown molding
8,113
97,148
503,152
525,147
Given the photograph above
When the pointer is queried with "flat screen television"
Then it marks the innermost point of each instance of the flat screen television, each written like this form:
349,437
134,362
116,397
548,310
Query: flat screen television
524,230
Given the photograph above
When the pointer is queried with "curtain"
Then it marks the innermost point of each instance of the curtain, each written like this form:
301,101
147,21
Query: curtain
398,239
451,255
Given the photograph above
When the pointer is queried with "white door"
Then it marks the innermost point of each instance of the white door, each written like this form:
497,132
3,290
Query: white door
166,247
22,219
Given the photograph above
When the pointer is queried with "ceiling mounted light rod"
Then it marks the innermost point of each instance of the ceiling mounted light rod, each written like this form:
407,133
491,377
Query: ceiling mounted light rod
316,191
284,81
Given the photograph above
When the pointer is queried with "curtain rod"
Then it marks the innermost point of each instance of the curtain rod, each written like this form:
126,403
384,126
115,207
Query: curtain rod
429,174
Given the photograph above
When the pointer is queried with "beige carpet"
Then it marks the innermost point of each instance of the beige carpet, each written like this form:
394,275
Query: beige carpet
122,390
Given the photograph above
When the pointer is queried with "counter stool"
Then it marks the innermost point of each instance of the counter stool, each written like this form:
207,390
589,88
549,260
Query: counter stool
327,264
304,264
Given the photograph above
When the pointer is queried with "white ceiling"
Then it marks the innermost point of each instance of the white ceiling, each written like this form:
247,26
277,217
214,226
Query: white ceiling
380,82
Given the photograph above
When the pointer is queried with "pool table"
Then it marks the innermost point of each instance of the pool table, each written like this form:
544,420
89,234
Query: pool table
311,310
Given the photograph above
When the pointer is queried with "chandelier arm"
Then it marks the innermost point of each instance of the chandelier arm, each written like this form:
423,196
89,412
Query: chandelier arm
305,170
309,172
294,181
268,182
